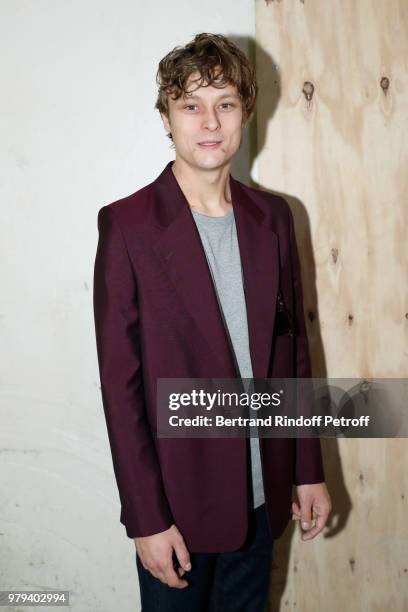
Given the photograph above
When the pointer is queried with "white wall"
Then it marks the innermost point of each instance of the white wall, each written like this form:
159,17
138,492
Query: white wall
78,129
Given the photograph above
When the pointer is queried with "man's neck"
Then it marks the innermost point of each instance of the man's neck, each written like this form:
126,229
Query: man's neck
206,191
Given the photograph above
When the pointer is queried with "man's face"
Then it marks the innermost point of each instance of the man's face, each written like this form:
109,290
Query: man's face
206,114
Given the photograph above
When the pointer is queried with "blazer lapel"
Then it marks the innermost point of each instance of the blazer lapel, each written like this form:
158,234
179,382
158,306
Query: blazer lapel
180,249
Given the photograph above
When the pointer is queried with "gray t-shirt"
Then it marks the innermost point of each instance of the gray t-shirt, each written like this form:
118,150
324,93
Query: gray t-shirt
219,238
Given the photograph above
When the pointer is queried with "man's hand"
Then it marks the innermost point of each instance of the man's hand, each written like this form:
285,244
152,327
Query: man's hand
314,499
156,554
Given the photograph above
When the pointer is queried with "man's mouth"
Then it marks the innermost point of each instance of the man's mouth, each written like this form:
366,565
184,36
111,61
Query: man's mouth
210,144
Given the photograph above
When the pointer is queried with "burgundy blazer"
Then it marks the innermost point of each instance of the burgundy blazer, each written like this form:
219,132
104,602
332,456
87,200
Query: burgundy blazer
157,315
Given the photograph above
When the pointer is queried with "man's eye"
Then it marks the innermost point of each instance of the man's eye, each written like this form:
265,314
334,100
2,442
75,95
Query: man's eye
188,106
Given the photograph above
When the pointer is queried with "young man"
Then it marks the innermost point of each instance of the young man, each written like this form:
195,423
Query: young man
189,271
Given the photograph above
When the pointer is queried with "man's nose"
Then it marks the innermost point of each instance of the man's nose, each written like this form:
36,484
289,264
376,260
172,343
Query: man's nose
211,120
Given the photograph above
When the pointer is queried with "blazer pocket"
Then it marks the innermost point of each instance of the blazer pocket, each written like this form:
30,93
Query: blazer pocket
284,321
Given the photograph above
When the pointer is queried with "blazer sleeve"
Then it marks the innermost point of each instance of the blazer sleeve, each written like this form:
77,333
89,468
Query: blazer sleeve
144,507
308,464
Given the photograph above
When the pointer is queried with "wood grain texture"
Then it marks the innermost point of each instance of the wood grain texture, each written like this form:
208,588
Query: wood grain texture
332,122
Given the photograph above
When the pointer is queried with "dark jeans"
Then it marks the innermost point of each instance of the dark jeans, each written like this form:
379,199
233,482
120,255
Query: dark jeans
218,582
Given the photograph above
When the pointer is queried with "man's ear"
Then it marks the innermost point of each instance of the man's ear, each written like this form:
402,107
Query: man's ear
245,119
165,122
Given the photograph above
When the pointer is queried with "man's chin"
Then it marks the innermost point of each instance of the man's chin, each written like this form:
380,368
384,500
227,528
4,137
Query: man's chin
210,162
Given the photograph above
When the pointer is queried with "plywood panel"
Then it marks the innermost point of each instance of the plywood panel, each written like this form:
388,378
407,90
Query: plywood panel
332,137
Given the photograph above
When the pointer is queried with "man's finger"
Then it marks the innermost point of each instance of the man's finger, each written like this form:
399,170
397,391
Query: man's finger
306,516
182,554
311,533
169,576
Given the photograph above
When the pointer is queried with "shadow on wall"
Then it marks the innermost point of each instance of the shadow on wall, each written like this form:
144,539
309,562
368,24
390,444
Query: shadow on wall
270,89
